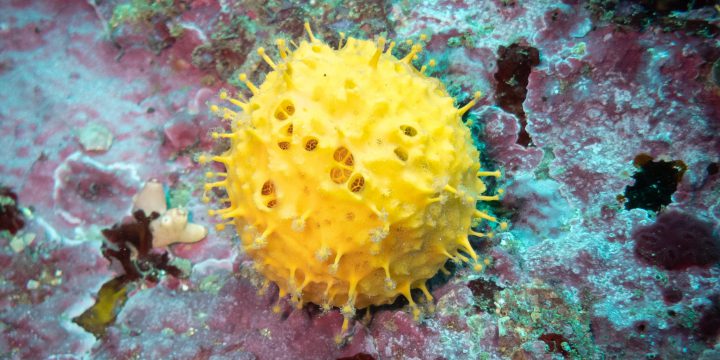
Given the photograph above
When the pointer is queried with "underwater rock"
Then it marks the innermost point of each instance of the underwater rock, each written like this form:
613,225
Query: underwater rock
677,241
181,134
43,287
11,217
95,137
655,182
89,192
514,65
615,79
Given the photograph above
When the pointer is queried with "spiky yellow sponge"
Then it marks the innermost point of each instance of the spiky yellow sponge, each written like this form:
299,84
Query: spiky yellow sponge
350,176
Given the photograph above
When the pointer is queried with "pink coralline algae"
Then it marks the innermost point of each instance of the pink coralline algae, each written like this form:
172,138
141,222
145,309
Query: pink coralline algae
87,191
216,314
43,287
677,241
602,116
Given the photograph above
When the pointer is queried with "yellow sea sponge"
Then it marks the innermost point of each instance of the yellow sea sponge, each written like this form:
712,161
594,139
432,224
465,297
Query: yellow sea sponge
351,177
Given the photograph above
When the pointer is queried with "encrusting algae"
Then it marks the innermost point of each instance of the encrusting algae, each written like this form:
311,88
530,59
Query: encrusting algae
350,177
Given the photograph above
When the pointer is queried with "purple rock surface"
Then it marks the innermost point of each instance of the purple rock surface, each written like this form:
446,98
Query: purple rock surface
603,115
